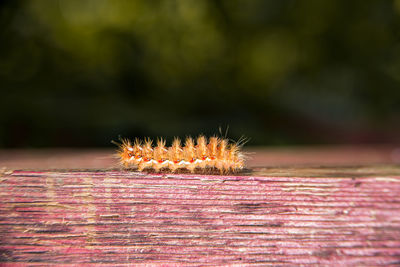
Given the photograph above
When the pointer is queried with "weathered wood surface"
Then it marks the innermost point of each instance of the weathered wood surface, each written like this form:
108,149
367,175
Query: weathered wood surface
265,216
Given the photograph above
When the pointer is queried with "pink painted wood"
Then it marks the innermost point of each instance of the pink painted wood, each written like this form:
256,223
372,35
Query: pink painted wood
265,216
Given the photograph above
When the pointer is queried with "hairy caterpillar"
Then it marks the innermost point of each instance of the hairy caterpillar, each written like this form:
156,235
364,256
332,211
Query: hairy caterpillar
213,154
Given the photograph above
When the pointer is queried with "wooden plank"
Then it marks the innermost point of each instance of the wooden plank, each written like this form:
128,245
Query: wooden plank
328,156
268,215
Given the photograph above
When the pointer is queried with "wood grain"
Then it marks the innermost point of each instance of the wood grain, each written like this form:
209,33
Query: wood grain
267,215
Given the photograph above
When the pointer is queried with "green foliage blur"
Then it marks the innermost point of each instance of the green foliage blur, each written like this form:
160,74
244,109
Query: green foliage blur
82,72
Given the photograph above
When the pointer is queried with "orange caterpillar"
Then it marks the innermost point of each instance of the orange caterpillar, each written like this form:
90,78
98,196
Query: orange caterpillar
217,154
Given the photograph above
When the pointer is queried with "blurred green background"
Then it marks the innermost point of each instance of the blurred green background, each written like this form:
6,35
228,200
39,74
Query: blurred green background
78,73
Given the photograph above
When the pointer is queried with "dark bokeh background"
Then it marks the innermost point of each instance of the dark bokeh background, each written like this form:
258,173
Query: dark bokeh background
82,72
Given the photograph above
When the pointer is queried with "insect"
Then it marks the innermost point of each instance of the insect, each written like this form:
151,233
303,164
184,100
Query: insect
201,155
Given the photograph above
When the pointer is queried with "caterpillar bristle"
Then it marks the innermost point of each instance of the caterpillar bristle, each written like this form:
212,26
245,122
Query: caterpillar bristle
202,156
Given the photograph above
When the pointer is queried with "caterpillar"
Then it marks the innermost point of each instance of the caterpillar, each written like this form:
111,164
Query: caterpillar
202,156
